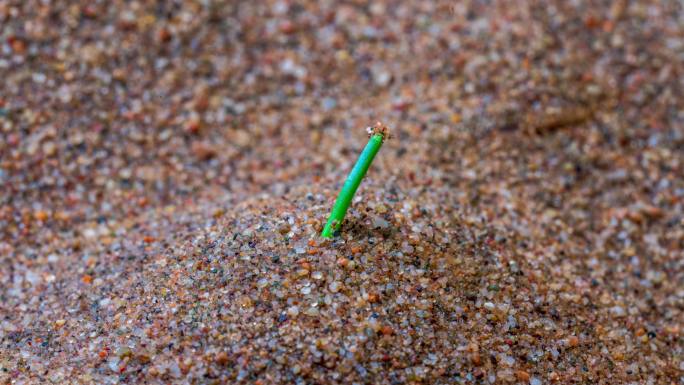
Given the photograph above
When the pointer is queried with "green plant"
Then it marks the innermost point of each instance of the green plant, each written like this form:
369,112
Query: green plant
378,134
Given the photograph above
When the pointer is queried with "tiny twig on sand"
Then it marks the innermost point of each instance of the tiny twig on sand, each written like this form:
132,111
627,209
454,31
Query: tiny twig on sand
545,122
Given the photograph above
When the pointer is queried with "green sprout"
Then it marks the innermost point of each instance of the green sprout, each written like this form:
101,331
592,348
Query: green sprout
378,134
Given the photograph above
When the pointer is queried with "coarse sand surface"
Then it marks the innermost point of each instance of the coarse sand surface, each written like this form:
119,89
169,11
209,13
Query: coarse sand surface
166,169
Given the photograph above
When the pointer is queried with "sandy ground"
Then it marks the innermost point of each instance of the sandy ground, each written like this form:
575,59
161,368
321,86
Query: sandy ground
166,168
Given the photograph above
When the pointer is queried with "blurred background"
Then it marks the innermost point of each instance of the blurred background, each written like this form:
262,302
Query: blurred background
104,103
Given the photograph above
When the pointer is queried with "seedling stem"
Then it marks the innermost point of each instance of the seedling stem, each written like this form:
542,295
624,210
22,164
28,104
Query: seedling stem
378,134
